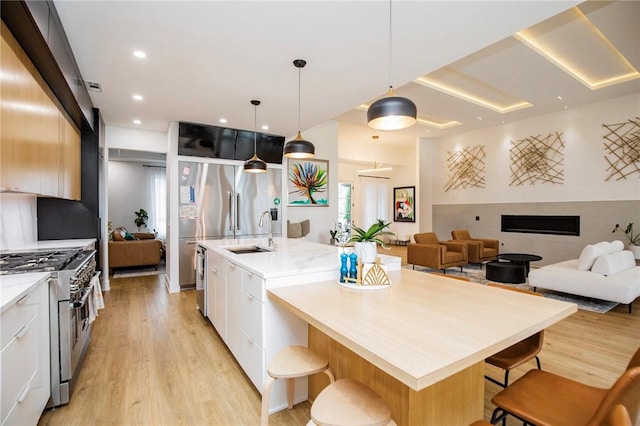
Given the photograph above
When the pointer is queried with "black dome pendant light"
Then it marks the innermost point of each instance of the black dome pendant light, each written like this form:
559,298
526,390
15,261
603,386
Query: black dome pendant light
391,112
299,147
255,165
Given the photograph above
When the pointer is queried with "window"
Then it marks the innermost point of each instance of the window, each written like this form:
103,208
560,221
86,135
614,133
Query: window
157,200
344,202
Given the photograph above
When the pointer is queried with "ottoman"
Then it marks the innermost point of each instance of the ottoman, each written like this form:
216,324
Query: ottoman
506,272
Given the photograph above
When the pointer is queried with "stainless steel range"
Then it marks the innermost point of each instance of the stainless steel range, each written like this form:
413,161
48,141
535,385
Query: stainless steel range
70,329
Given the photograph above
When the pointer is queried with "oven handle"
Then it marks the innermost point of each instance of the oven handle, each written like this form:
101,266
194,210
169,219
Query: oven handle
82,301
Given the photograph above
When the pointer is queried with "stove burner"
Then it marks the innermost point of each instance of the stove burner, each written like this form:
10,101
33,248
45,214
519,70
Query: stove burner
38,261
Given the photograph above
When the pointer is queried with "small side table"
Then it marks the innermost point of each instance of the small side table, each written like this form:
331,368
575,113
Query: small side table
520,259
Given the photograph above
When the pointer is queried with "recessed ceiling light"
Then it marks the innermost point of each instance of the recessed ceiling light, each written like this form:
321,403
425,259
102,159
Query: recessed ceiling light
559,97
139,54
265,127
136,121
479,118
223,120
137,97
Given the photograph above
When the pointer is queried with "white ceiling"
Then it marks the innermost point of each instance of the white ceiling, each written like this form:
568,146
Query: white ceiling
207,60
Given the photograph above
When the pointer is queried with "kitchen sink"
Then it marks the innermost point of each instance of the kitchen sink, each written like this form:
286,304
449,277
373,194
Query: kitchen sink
244,250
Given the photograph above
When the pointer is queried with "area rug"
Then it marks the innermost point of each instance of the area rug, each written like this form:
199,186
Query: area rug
477,275
138,272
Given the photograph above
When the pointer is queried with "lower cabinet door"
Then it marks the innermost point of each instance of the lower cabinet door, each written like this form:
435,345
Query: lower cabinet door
220,313
252,360
252,318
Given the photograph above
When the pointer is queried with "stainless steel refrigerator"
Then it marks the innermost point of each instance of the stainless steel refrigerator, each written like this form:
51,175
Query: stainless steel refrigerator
222,201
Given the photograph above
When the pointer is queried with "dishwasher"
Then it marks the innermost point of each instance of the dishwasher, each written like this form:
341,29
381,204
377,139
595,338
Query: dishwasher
201,280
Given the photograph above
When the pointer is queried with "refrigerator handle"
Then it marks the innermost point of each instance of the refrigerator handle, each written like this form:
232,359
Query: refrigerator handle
238,212
230,212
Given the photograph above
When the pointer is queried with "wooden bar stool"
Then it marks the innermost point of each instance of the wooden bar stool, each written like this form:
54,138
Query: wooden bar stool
347,402
290,363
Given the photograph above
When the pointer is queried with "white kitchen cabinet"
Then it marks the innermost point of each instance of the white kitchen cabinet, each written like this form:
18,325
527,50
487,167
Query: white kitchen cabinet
234,292
24,366
217,293
252,310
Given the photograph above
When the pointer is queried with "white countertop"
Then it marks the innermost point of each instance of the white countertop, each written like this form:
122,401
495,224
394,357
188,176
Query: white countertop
13,287
50,244
292,256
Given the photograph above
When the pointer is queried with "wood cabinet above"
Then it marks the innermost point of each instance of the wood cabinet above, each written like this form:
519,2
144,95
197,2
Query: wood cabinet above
39,146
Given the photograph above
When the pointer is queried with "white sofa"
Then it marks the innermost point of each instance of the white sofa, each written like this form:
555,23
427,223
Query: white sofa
603,271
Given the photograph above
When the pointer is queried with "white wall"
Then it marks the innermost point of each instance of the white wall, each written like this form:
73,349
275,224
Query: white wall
584,163
405,173
127,192
325,139
136,139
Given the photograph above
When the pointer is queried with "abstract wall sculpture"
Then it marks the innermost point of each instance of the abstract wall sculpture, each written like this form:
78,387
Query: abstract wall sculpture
537,159
466,168
622,149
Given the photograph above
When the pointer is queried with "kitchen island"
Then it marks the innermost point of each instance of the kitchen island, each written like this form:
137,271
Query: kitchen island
421,343
253,327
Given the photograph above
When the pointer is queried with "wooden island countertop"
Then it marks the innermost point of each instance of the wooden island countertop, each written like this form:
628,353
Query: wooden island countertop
423,329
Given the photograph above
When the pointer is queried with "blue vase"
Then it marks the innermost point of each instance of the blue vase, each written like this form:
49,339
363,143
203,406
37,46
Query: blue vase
344,272
353,263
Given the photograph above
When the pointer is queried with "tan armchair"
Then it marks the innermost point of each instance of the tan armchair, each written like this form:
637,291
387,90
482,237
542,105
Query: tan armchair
480,249
430,252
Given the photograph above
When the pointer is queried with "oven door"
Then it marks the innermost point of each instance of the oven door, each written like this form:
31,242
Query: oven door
75,329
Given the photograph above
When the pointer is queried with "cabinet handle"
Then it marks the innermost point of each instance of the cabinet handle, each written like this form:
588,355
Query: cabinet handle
250,274
23,331
250,340
250,296
24,392
23,299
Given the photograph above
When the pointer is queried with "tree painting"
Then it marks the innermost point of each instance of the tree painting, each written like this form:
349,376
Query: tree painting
308,183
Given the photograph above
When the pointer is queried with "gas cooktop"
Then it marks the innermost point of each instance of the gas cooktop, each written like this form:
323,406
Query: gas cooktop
36,261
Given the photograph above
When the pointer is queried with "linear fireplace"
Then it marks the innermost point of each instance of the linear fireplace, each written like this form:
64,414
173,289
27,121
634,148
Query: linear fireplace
530,224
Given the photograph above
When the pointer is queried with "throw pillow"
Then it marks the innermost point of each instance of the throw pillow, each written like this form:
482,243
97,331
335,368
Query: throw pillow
128,236
612,263
118,234
590,253
617,245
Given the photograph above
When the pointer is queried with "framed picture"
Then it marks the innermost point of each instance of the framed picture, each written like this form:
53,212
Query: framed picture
404,204
308,183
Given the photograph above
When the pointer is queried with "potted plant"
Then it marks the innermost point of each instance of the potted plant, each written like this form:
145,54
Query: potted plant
333,232
366,241
141,218
634,239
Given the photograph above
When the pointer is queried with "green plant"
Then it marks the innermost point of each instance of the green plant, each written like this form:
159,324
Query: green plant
141,217
333,232
628,231
372,234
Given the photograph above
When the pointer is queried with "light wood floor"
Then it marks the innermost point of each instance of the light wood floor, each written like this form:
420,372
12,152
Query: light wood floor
154,360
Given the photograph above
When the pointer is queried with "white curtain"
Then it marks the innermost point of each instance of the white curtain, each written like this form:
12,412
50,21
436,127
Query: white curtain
157,200
375,200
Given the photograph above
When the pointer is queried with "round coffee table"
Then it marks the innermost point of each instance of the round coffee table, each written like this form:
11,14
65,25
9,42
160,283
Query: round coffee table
505,272
520,259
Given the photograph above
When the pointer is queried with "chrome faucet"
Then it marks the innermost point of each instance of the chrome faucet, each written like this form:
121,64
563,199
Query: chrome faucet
261,222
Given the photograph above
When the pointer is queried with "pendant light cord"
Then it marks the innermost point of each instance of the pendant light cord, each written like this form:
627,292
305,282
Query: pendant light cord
390,41
255,128
299,86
